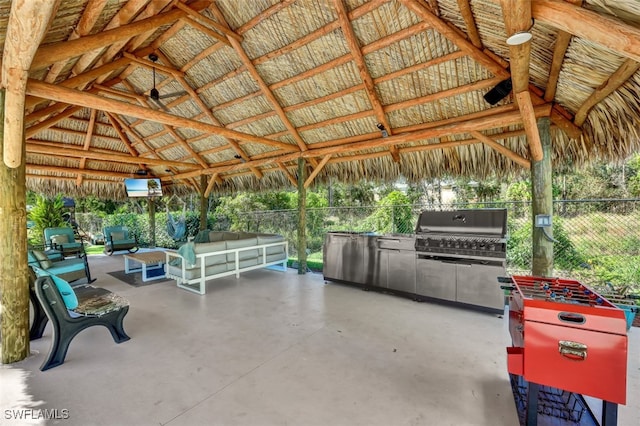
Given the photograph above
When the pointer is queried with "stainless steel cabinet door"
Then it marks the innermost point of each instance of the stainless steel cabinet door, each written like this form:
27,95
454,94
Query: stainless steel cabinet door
478,285
435,278
402,271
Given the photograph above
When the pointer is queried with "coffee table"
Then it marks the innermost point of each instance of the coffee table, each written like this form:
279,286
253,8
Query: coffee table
146,261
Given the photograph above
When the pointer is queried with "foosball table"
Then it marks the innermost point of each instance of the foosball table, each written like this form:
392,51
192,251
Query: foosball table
566,336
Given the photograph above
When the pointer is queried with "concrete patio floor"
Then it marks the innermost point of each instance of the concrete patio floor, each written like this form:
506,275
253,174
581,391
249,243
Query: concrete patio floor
277,348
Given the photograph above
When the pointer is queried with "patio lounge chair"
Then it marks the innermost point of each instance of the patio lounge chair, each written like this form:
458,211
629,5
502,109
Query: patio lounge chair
68,269
118,238
72,310
63,239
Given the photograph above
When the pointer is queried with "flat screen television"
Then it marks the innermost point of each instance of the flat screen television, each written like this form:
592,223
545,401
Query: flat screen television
143,187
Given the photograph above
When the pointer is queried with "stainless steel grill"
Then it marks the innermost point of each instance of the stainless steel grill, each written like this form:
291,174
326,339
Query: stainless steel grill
460,254
472,234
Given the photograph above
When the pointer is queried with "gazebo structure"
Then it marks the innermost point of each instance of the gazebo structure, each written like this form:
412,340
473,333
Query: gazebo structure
231,95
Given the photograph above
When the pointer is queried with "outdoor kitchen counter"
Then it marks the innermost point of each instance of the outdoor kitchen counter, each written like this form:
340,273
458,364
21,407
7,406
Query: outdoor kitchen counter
454,256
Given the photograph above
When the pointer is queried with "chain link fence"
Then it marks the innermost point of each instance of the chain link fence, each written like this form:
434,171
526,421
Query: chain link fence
597,241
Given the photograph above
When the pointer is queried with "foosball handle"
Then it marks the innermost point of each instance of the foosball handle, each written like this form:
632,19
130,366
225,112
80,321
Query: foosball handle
505,280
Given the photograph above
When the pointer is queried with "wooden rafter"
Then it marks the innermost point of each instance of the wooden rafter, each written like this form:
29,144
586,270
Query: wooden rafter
559,49
184,145
470,22
89,17
55,52
617,79
365,76
529,121
275,104
207,112
222,27
122,17
87,144
475,53
43,125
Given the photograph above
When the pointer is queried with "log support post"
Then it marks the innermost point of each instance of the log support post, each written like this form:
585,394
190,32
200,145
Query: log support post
203,201
152,222
542,203
302,218
14,277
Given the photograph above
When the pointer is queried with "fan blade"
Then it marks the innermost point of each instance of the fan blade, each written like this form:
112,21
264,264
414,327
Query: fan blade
173,95
159,104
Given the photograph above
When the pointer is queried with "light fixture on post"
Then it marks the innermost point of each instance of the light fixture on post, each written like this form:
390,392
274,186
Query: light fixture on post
382,129
520,37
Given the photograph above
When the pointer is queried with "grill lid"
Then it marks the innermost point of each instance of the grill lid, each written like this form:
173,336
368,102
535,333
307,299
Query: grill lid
484,222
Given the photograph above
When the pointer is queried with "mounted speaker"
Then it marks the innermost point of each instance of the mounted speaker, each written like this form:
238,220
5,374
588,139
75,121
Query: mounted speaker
499,92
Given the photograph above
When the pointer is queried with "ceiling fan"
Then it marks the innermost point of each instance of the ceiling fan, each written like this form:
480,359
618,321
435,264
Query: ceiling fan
154,94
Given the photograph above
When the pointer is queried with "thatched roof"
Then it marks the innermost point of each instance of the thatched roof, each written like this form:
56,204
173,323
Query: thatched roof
254,85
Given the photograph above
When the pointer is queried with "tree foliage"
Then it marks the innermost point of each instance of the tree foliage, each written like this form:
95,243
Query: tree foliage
46,213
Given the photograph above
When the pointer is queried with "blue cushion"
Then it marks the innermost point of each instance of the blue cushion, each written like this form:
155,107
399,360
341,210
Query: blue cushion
68,295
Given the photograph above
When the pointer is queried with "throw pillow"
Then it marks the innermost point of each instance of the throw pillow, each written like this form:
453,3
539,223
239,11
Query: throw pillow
42,259
68,295
60,239
117,236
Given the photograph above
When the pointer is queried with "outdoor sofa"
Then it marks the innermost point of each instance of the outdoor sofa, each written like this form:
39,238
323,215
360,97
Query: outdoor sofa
215,254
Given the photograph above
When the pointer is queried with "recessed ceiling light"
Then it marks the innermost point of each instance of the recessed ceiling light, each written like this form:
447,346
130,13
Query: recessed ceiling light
519,38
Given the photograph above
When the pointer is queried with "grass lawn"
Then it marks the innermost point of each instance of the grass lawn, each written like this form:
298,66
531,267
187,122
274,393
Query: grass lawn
94,249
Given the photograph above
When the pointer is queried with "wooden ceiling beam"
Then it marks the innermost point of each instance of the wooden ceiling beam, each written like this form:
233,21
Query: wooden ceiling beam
613,83
201,55
604,30
148,64
63,94
365,75
194,23
223,27
317,170
517,18
74,171
210,185
26,27
115,123
496,121
501,149
77,152
529,120
264,15
288,174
